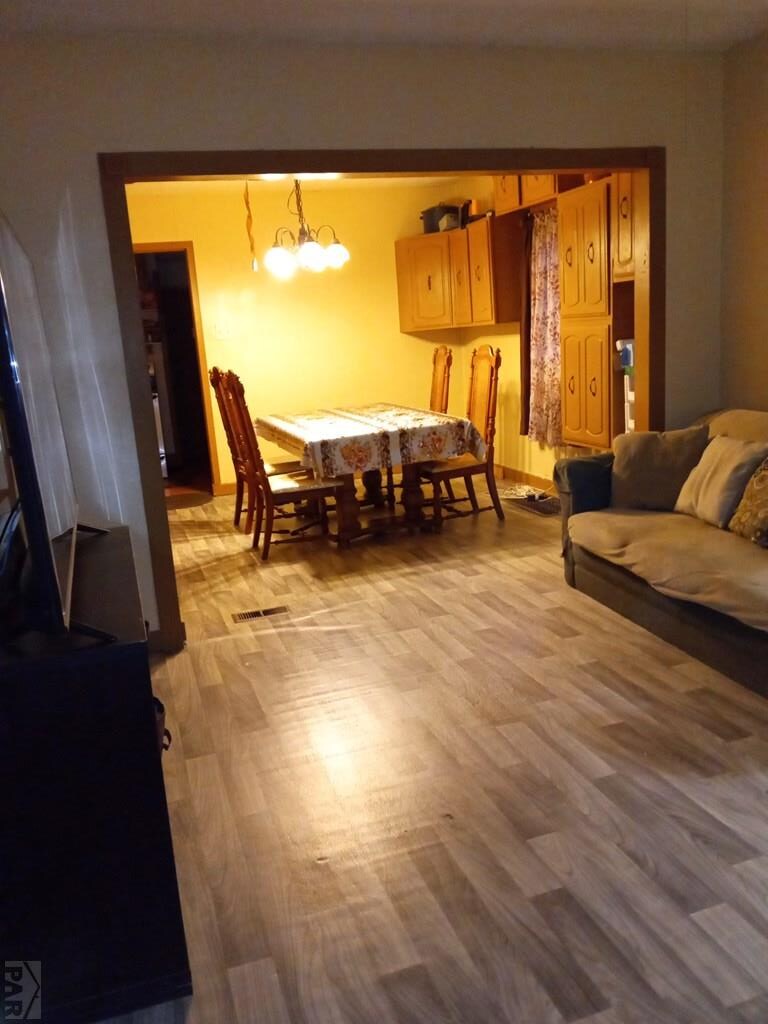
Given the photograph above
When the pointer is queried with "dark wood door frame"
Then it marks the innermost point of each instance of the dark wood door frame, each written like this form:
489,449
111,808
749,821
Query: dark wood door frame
120,169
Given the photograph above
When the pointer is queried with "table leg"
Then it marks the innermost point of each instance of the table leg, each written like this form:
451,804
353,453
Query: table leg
372,485
347,511
413,496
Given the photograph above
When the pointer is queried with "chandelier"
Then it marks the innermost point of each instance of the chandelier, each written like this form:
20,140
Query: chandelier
300,251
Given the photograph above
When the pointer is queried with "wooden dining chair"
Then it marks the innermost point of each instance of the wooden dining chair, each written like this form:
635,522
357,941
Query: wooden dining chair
481,410
242,481
442,361
273,492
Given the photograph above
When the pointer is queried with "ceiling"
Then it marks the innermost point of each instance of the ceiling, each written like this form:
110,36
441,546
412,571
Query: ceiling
636,24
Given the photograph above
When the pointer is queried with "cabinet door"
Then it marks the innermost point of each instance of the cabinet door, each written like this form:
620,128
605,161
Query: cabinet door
537,187
481,271
596,341
594,248
571,350
622,227
458,247
569,229
506,192
430,281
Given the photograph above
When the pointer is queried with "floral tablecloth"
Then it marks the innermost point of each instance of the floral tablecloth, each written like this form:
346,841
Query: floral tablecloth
334,442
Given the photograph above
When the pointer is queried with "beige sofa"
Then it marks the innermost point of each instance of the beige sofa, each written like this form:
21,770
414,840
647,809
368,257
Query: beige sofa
700,587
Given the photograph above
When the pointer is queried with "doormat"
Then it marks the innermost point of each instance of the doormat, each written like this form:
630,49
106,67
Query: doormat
546,505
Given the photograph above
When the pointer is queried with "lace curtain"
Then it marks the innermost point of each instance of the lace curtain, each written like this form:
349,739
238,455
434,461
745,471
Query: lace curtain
545,422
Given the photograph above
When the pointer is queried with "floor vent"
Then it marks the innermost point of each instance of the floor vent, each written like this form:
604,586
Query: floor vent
258,613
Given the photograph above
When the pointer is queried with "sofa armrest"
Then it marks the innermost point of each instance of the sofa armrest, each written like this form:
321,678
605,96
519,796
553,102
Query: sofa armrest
583,485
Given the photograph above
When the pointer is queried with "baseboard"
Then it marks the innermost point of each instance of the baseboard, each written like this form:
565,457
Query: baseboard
219,489
541,483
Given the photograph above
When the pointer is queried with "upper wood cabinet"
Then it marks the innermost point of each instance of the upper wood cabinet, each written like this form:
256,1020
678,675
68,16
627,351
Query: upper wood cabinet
583,242
462,277
458,247
424,282
506,193
482,284
535,188
623,226
586,382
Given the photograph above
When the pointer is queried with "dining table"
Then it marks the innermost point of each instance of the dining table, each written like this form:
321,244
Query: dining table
337,443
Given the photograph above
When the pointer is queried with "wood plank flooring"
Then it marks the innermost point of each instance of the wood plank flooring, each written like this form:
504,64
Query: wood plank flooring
444,787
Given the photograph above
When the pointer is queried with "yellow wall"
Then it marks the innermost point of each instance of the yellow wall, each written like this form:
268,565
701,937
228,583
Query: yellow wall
317,340
745,265
332,338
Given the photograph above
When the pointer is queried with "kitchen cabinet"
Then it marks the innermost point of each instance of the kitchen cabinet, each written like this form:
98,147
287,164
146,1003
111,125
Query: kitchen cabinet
586,382
536,188
506,193
458,248
583,243
482,284
468,276
623,226
424,282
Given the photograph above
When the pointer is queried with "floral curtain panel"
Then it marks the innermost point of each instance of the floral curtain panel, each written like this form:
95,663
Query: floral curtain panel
545,422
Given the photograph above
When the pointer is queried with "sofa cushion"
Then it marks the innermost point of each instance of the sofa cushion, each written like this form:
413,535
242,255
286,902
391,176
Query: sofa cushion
714,487
649,467
745,424
681,557
750,519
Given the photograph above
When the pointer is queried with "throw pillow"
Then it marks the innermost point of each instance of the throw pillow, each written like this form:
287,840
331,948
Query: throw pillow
750,519
649,467
714,487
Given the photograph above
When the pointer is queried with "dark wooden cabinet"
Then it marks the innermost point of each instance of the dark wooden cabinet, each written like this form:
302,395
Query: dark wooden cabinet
89,881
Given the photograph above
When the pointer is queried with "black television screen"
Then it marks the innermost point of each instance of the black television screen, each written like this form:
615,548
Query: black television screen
40,471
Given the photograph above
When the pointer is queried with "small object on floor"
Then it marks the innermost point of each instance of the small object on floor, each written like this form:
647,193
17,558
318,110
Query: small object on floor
539,502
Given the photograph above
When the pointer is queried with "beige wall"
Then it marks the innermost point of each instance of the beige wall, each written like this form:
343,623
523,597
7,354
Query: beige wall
65,100
745,227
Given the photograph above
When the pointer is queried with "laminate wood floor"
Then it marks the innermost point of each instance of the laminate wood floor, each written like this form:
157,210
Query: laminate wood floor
444,787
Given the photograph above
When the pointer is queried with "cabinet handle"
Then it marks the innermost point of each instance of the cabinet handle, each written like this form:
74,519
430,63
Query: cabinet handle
572,384
477,272
459,278
569,256
429,282
624,207
593,387
591,252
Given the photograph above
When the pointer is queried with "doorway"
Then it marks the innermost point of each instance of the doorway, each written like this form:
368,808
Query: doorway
176,367
120,169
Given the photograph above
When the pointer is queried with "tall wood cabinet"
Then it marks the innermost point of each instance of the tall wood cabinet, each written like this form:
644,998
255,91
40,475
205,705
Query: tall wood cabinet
586,357
585,308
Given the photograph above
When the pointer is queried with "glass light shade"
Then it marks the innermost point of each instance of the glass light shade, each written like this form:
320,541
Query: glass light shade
336,255
311,256
254,265
280,262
